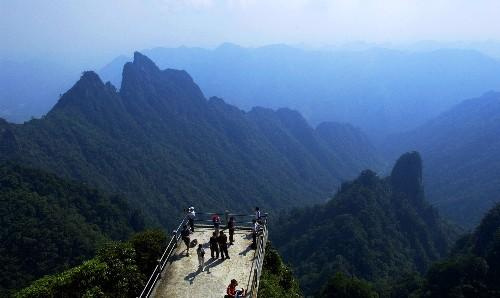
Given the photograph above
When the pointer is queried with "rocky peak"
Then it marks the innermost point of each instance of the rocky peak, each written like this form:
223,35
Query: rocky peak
406,175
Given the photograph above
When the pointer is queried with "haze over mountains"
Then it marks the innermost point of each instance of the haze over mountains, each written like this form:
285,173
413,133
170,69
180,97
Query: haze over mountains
460,149
162,144
30,88
379,90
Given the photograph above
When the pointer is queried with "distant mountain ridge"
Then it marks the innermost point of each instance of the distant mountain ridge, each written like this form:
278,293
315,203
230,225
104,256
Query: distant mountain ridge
382,91
460,148
162,144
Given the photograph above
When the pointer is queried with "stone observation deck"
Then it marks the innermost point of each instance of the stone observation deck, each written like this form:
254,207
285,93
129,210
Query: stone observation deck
178,276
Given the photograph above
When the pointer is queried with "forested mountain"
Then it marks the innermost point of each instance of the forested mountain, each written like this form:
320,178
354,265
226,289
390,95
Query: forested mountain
48,224
460,148
159,141
474,268
379,90
374,228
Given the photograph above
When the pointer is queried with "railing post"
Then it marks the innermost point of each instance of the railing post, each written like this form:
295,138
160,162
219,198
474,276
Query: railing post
174,235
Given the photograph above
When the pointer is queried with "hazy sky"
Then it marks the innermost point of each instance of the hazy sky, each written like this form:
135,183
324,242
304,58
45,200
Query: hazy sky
106,28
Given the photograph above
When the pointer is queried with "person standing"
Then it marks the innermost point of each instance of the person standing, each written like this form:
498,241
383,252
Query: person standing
230,226
255,231
185,237
222,239
258,215
201,256
214,246
191,215
216,222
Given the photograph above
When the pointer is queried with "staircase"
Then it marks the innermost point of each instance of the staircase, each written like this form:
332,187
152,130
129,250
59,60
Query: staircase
177,275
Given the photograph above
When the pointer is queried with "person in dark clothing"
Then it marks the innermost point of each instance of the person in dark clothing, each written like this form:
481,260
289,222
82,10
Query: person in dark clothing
222,239
230,226
185,237
214,246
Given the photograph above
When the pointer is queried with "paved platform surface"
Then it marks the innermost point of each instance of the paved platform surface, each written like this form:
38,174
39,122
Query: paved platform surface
182,278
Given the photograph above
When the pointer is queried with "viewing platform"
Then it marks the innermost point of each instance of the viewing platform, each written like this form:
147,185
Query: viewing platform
178,275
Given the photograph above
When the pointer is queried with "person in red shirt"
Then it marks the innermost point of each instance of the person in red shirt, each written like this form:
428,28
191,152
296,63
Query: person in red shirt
232,292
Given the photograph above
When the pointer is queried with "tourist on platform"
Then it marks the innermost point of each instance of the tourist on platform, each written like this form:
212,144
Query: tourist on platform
214,246
230,226
216,222
222,239
185,237
255,232
258,215
232,292
201,256
191,216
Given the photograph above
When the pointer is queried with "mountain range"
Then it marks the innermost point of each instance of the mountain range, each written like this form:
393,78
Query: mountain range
382,91
163,145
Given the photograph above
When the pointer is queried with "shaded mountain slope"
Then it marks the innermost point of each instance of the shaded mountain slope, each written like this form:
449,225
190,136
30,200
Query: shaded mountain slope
373,228
159,141
474,268
48,224
460,148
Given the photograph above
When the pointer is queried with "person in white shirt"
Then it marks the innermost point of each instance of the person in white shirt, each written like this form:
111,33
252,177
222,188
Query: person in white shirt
255,231
191,215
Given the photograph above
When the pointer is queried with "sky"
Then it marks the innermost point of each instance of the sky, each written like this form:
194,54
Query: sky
88,29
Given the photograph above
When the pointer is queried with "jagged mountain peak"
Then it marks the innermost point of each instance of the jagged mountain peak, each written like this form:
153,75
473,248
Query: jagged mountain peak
87,89
144,62
406,175
140,69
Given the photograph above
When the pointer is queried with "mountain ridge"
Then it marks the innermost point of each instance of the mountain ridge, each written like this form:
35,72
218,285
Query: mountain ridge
160,142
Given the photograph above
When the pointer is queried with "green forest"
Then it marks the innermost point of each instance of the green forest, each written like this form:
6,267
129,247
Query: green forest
120,269
49,224
379,238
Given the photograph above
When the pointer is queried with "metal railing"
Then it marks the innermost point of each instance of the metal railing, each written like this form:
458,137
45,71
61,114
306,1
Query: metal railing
162,262
258,262
204,219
